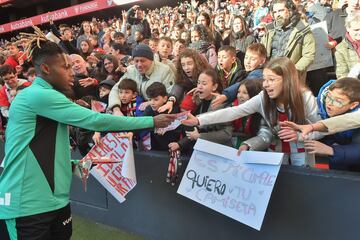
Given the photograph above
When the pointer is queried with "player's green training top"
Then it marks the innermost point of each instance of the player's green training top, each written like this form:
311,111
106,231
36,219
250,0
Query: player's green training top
37,172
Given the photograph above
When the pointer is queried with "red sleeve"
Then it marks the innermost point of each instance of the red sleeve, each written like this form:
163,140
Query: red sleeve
4,101
11,61
26,84
331,40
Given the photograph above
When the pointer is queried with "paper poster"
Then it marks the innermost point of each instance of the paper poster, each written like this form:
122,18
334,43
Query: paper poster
50,36
98,106
128,166
323,56
176,123
236,186
118,178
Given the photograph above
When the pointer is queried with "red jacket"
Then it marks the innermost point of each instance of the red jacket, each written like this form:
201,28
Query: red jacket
5,93
14,61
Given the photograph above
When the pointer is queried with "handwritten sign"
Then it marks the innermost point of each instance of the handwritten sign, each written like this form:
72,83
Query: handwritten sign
323,56
236,186
118,178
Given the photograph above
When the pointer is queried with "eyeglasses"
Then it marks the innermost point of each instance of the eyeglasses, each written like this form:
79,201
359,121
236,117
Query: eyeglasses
334,102
271,81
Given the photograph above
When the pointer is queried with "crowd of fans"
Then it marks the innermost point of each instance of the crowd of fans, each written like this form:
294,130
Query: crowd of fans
245,62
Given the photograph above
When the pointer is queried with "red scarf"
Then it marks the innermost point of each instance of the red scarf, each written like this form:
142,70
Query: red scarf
243,125
355,44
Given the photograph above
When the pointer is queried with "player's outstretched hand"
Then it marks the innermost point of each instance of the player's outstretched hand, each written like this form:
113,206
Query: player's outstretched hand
163,120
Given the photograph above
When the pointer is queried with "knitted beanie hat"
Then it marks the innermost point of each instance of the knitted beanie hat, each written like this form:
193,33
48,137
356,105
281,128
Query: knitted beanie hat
143,50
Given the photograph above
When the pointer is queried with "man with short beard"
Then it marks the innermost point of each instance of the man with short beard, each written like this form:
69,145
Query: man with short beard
291,37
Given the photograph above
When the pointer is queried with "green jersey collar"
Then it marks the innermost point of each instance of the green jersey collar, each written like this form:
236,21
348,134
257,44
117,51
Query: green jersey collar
42,82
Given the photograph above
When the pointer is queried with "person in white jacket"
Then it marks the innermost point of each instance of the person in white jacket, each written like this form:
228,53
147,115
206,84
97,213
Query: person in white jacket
283,98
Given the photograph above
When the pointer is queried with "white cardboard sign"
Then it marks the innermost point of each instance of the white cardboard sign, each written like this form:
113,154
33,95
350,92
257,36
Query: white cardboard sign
118,178
236,186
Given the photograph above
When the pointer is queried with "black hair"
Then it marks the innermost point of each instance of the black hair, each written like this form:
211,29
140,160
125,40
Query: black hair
128,84
156,89
118,47
6,69
349,87
119,35
290,5
214,78
253,86
41,53
203,32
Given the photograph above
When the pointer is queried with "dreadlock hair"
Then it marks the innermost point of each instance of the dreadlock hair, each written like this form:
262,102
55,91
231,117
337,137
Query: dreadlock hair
39,48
